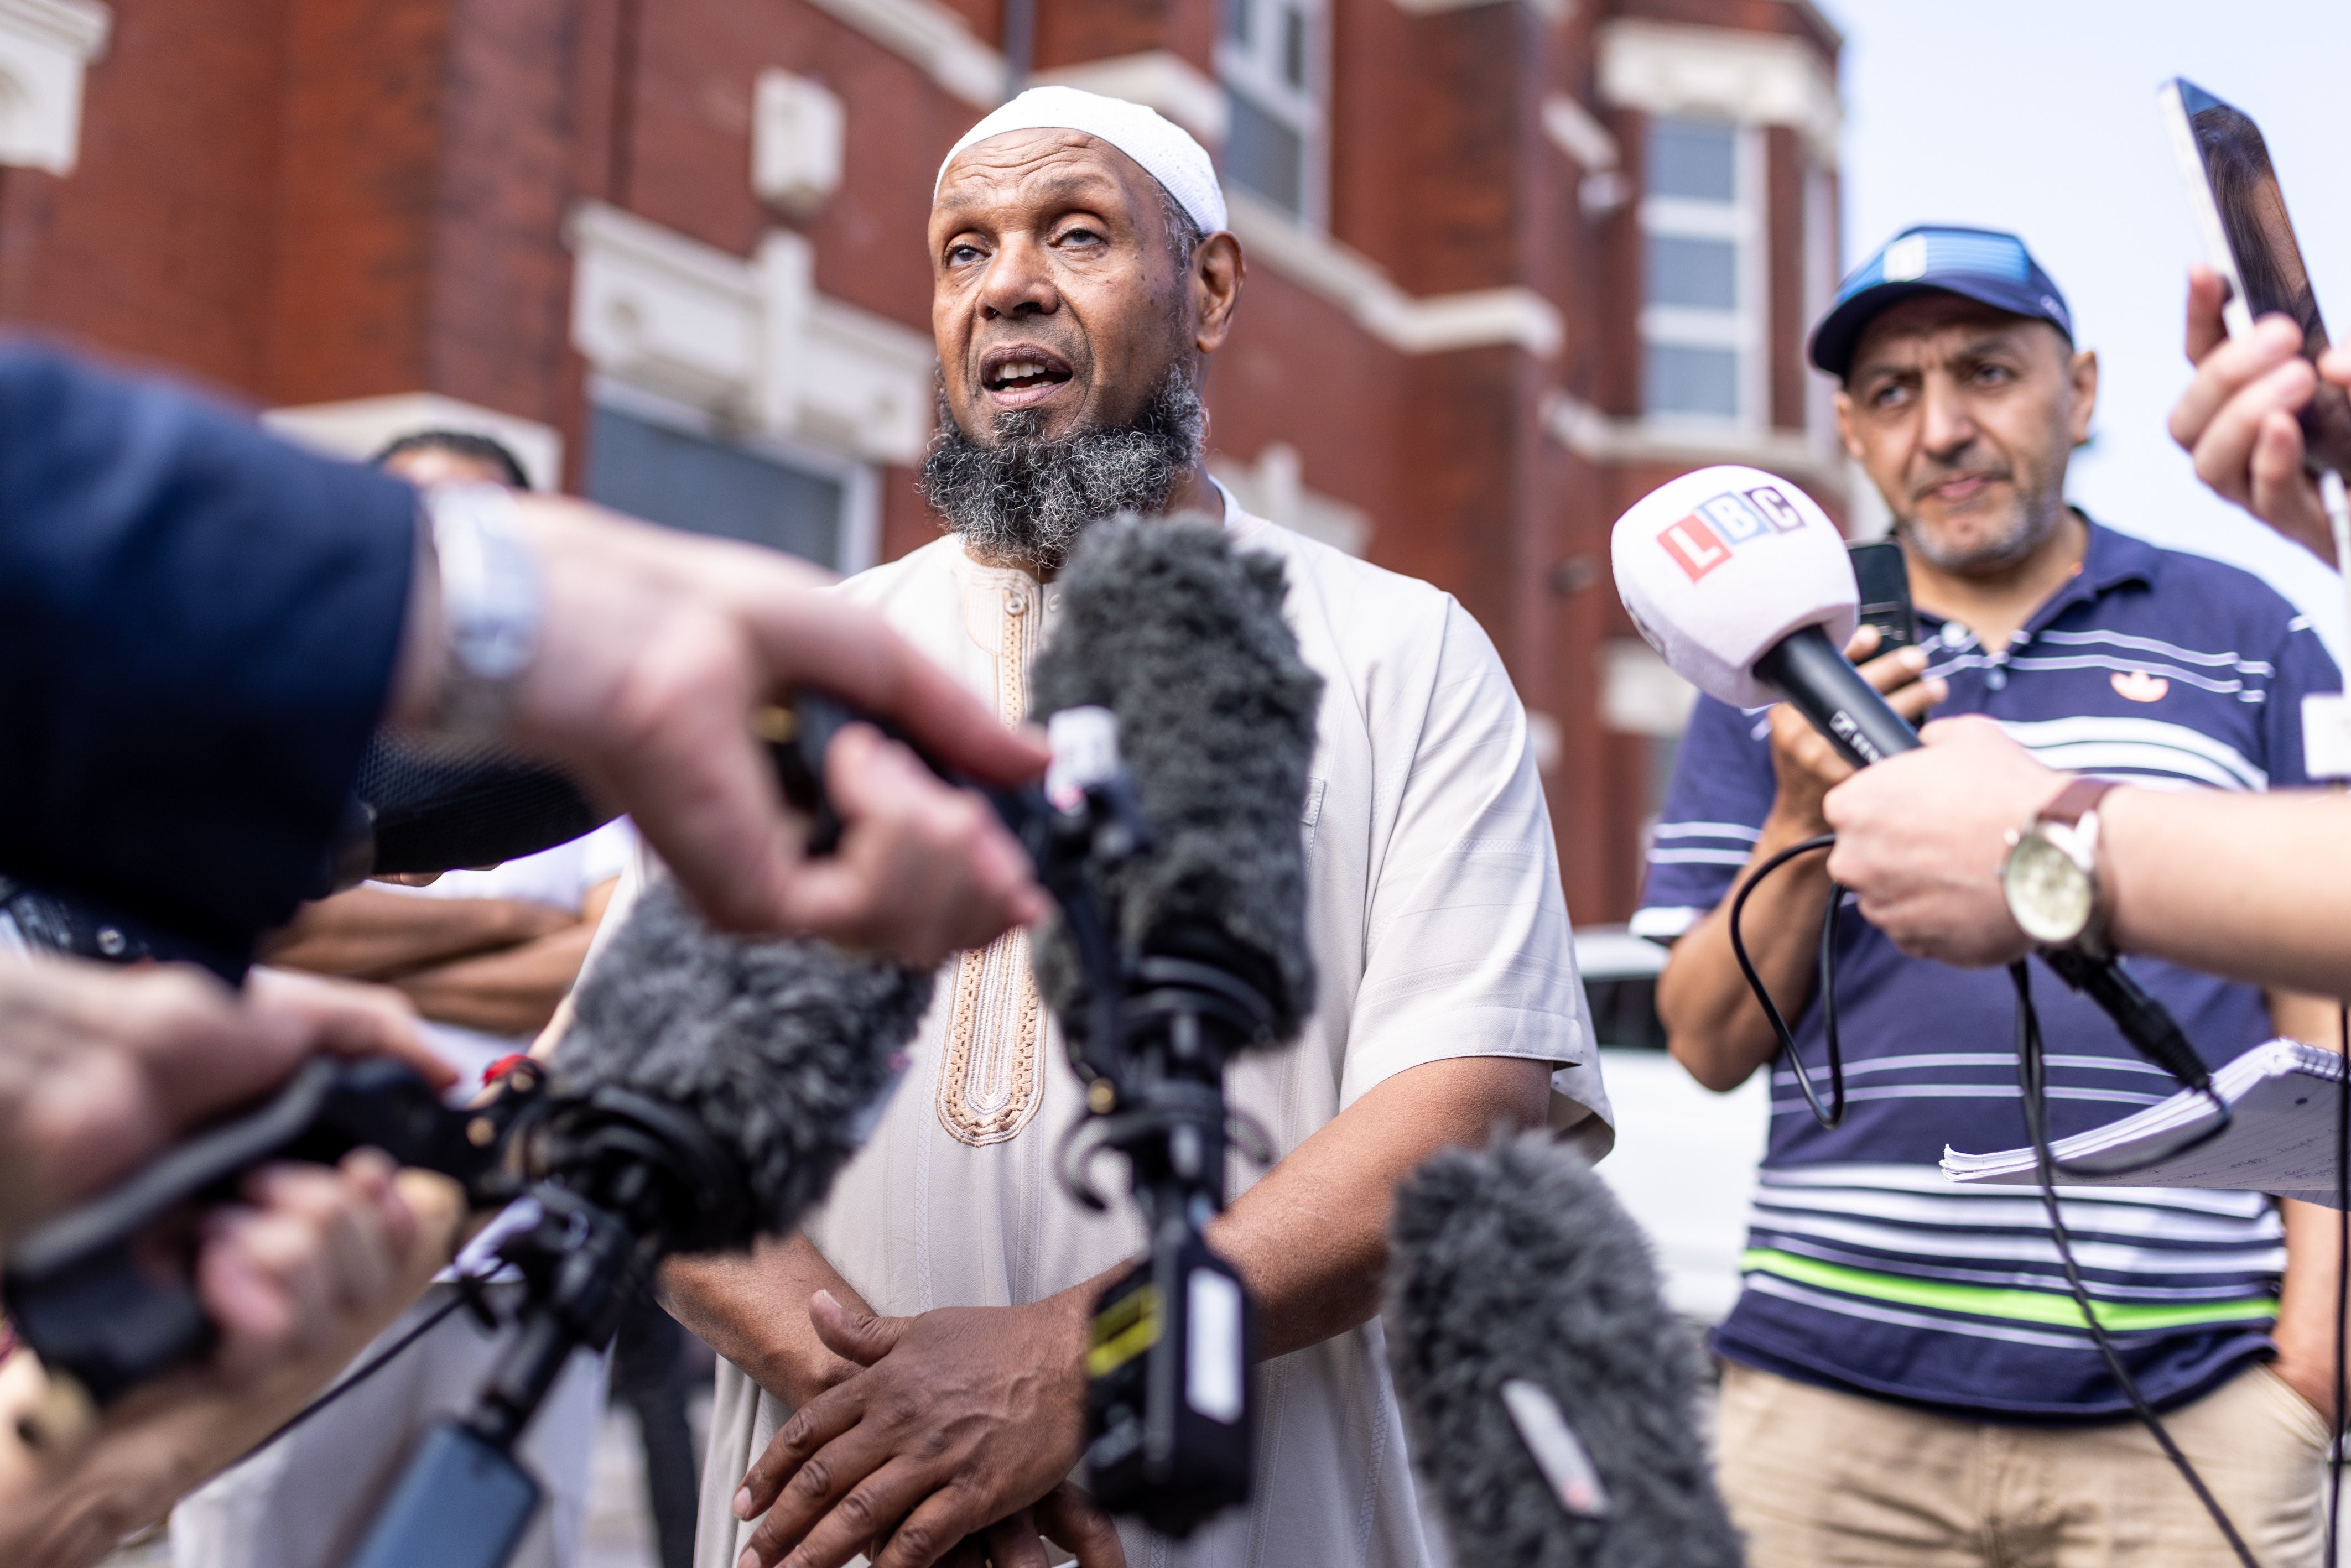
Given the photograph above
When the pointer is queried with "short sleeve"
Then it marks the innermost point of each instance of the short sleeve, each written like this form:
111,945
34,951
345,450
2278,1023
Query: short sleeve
1467,947
2304,667
1722,791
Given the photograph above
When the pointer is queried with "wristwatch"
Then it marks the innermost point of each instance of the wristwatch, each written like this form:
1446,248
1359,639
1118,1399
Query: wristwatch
492,602
2051,872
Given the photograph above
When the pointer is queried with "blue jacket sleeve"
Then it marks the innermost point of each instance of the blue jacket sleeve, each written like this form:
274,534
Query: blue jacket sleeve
198,625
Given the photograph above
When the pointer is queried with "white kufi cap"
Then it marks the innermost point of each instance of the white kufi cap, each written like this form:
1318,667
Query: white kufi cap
1164,148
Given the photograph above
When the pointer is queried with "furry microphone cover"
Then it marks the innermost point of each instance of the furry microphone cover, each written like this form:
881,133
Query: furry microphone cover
1518,1262
780,1049
1182,636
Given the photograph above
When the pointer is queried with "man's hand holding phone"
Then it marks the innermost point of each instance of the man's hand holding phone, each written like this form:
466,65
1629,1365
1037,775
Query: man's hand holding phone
2237,417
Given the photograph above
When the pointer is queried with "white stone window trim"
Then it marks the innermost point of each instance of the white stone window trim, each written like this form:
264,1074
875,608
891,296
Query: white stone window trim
748,341
1755,78
46,46
1694,443
1512,315
934,38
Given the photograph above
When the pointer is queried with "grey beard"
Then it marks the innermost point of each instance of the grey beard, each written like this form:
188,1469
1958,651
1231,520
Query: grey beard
1028,498
2026,533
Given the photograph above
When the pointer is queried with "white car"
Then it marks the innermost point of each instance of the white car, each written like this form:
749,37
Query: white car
1685,1157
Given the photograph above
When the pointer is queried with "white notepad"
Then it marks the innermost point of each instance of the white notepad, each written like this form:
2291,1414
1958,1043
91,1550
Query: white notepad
2282,1140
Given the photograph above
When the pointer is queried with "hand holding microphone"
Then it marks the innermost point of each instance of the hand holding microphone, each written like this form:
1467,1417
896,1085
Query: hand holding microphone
1807,764
1741,582
1917,840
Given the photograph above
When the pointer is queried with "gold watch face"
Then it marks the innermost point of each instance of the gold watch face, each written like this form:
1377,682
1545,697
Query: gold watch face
2048,892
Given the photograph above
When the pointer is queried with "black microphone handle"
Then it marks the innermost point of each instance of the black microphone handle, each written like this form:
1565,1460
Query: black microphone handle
2143,1020
1814,673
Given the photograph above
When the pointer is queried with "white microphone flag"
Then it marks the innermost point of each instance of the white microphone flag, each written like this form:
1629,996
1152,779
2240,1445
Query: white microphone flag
1717,567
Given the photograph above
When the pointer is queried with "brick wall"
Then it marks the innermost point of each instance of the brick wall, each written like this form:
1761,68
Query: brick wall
306,201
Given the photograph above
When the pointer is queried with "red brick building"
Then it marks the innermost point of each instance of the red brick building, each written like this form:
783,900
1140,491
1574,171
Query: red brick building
1511,262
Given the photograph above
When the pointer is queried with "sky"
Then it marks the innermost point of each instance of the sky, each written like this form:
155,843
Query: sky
2039,116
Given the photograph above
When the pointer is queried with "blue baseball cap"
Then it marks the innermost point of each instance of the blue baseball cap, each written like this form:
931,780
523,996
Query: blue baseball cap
1980,264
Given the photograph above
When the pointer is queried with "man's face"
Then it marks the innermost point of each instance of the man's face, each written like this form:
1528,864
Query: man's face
1055,300
1965,417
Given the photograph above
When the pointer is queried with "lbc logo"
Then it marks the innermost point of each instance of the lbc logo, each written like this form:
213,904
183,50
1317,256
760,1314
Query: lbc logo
1706,537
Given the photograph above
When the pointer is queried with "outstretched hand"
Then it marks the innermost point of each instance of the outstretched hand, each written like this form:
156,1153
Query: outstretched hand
656,652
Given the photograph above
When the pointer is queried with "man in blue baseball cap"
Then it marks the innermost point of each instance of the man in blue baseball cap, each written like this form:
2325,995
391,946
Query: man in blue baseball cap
1907,1380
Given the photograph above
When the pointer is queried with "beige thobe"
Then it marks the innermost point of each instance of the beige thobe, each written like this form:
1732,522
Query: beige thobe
1438,931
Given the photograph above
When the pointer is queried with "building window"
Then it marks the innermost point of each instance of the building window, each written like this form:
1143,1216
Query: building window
668,465
1270,54
1704,288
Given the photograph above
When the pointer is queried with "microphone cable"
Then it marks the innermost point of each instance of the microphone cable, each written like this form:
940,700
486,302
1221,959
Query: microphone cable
467,1285
2032,1072
1832,1116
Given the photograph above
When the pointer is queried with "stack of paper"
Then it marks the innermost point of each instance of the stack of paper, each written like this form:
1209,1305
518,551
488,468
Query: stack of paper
2282,1140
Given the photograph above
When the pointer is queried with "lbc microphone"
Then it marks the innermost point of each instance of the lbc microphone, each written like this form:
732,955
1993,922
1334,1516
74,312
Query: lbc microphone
1742,584
1551,1400
1176,947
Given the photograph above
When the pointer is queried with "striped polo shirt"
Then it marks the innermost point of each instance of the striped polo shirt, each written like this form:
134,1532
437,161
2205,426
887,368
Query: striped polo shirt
1865,1270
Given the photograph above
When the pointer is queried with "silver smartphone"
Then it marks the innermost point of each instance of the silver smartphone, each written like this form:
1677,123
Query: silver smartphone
2248,240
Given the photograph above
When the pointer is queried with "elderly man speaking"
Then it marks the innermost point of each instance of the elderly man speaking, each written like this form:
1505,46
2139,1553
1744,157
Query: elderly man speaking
909,1382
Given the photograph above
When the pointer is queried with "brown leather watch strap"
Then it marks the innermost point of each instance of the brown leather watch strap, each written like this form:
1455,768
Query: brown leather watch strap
2075,802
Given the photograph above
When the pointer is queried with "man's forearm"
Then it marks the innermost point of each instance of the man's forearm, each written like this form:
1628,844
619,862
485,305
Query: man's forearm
370,934
1310,1239
1714,1027
2256,888
753,1312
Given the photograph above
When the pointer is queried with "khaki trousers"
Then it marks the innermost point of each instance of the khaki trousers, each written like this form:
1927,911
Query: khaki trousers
1817,1479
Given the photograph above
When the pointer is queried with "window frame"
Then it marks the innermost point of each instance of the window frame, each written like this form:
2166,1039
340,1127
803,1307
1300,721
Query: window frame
859,537
1253,70
1745,328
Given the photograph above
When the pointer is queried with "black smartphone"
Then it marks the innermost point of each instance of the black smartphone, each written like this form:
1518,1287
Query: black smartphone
2250,242
1884,579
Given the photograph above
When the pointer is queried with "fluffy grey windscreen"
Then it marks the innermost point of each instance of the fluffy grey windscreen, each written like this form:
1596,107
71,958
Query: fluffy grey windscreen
1182,636
780,1049
1518,1262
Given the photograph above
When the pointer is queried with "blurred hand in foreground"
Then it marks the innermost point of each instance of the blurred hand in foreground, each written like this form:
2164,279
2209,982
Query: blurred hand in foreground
2237,417
300,1276
101,1068
656,651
